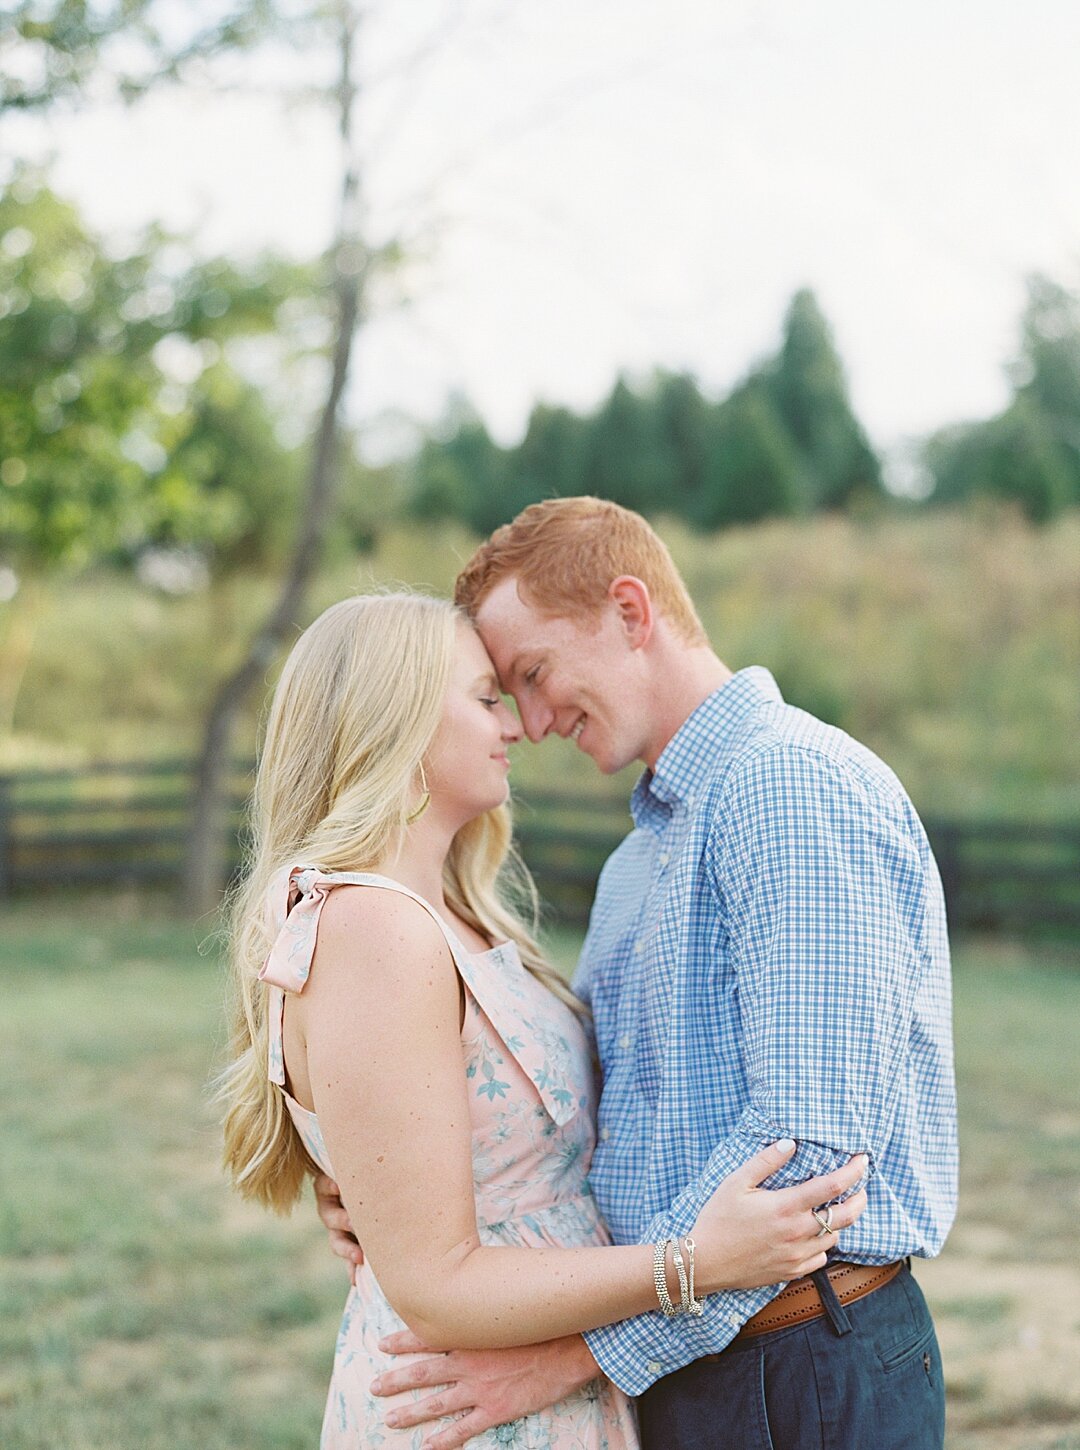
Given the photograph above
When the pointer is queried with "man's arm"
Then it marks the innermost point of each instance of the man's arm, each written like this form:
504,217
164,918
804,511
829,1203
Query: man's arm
820,894
335,1218
490,1386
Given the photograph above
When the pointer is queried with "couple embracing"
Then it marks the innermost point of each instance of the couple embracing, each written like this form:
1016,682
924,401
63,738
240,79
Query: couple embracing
709,1244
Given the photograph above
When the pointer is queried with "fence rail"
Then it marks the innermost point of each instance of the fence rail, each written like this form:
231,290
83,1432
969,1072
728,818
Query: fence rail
117,823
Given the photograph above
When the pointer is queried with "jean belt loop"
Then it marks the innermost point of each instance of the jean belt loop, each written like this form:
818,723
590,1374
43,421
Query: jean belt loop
838,1315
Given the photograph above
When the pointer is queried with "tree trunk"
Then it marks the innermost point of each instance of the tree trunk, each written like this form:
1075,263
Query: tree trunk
18,648
207,852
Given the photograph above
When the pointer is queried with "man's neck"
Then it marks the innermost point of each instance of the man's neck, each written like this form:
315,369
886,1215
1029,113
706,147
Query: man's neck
688,677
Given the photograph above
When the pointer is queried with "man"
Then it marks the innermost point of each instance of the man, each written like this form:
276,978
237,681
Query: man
766,959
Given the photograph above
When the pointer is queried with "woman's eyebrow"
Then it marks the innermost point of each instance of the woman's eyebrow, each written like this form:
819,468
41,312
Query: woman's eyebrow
486,679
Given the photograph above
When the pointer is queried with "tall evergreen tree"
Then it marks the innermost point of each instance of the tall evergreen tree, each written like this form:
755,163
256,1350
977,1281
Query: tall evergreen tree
683,420
461,472
753,468
809,391
549,461
1048,373
625,458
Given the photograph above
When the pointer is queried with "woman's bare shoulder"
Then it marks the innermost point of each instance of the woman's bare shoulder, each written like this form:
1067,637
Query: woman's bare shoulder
376,924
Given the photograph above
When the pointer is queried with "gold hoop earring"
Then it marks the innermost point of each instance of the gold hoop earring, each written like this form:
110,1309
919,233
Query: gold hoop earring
425,799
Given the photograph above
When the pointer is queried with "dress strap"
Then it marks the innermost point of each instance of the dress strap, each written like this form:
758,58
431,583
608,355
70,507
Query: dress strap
294,902
527,1023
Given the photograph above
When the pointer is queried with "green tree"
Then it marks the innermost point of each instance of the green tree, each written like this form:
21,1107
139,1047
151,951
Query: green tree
331,30
685,420
548,462
55,50
808,389
752,470
373,496
229,487
1047,375
459,472
1030,452
1015,457
122,420
625,455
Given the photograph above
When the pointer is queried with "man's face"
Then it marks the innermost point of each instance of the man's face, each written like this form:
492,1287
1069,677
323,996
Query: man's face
574,677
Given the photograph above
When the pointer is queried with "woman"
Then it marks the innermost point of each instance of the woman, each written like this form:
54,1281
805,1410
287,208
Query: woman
397,1026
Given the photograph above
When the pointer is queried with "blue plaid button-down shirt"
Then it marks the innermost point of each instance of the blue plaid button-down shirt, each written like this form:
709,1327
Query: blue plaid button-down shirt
766,958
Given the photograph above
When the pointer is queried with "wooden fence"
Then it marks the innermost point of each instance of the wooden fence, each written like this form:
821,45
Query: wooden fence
121,823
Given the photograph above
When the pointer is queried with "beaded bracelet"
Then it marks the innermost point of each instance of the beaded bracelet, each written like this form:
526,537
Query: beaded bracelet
685,1269
660,1278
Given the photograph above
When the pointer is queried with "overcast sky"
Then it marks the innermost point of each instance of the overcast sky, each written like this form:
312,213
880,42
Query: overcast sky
596,185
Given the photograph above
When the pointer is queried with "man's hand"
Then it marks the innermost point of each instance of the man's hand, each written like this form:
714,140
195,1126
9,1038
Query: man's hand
491,1385
343,1241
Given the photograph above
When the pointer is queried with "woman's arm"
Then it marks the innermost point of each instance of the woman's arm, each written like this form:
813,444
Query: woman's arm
380,1016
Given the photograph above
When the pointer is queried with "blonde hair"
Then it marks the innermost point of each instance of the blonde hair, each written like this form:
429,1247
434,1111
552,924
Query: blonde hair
565,553
353,714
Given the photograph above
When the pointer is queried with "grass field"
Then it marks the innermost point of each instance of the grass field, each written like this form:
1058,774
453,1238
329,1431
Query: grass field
143,1307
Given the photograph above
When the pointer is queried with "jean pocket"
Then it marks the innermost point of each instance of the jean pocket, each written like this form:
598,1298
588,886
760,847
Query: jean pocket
905,1350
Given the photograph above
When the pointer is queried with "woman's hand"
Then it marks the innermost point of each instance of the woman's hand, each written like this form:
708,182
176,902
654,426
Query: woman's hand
747,1236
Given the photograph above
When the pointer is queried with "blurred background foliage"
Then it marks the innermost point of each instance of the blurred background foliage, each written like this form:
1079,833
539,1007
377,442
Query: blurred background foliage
157,399
153,406
948,642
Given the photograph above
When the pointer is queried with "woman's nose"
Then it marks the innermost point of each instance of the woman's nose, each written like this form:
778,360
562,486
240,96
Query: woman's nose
511,725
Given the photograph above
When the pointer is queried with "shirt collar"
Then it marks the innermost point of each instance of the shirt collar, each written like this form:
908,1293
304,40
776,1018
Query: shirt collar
701,743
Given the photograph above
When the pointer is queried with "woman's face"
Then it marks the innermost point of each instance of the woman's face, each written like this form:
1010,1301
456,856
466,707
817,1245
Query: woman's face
467,764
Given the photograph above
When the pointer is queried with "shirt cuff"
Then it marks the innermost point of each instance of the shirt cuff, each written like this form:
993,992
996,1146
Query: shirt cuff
635,1353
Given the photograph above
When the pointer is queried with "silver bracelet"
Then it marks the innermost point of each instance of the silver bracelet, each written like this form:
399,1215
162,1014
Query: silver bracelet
680,1269
660,1277
693,1306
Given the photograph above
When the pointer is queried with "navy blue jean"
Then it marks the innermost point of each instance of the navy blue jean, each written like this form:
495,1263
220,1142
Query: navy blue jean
871,1380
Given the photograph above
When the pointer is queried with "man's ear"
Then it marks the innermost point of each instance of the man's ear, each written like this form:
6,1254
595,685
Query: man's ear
630,597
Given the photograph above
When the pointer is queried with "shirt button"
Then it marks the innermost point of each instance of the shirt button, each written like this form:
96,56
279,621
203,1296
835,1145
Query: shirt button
605,1133
664,857
639,947
734,1321
625,1041
654,1366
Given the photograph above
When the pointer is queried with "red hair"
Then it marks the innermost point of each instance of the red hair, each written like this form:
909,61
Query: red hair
566,552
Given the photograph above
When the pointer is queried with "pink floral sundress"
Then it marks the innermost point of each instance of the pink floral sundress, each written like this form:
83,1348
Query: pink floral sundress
531,1097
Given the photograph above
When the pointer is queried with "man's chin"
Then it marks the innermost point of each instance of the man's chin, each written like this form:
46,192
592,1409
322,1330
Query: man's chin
605,764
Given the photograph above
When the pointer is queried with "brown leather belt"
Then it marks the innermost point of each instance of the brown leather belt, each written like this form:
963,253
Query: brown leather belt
800,1301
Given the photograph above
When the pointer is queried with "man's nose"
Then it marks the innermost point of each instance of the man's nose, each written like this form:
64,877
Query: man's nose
537,720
